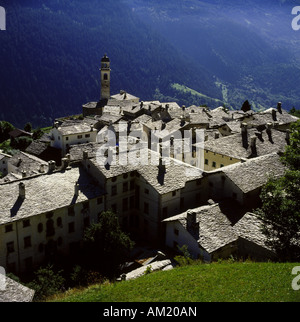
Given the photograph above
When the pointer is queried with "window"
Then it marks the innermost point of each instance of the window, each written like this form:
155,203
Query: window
27,242
222,165
125,186
125,204
67,138
125,176
105,77
71,211
114,179
131,185
79,136
71,227
8,228
206,161
87,135
113,190
40,227
146,208
10,247
50,231
59,222
132,174
26,223
214,164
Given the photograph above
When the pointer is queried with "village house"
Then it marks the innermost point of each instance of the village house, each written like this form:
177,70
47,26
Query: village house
249,143
22,165
143,194
243,181
63,136
42,215
209,235
4,158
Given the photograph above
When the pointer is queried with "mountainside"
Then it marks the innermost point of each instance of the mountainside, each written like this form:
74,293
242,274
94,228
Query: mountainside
249,45
50,58
227,51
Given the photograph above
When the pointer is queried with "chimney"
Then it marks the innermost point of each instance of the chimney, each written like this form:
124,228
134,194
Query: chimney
279,108
191,224
142,104
182,121
64,163
56,125
217,135
269,131
253,145
167,107
42,168
259,135
183,107
274,115
161,166
24,174
76,189
21,190
244,135
85,155
163,125
92,128
52,165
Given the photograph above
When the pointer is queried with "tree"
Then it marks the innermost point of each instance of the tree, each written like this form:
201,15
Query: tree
280,209
47,282
246,106
106,245
28,127
295,112
5,128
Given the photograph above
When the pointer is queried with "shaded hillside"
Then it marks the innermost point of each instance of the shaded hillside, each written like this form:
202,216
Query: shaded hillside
50,56
249,45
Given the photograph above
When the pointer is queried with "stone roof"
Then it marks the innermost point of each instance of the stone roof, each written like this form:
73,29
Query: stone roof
3,155
45,193
176,174
15,292
76,151
24,162
232,145
124,96
249,228
75,128
215,230
254,173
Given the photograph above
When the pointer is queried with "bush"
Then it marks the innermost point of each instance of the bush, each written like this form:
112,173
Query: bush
47,283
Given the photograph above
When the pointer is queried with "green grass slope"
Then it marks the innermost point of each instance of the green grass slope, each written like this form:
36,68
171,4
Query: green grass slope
216,282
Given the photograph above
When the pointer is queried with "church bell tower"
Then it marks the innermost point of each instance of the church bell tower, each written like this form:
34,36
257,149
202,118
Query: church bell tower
105,78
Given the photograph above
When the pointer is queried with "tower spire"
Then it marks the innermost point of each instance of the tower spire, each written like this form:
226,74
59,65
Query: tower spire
105,78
